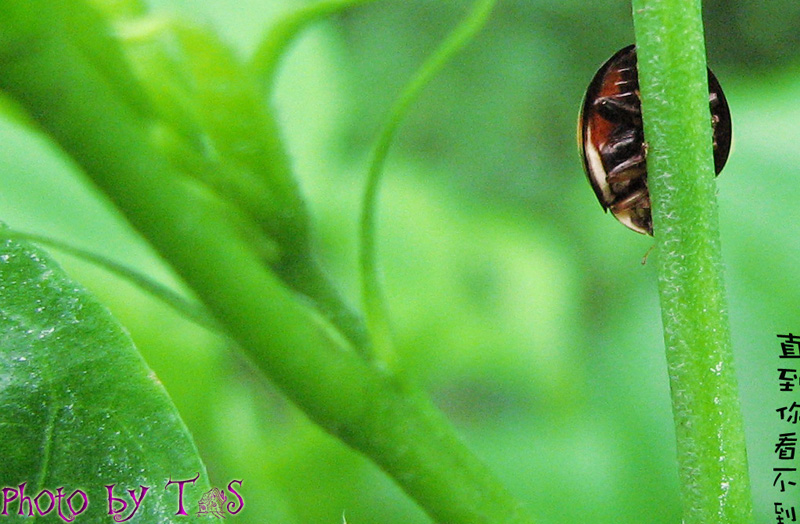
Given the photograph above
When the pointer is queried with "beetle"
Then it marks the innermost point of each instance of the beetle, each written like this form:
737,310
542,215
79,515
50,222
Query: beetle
611,139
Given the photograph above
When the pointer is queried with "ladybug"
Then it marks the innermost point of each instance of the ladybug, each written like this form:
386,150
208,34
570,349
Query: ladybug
611,139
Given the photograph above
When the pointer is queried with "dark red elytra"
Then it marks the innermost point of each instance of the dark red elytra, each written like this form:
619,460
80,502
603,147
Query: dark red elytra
611,139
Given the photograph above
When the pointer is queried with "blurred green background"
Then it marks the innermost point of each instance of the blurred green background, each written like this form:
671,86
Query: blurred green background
521,306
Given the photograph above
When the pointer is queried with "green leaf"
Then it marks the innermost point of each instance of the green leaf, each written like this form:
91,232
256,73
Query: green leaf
79,408
191,310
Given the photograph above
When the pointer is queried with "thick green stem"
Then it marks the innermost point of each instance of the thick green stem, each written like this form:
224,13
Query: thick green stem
710,437
384,417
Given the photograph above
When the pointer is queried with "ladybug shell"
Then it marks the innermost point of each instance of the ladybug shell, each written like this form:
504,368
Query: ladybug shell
611,139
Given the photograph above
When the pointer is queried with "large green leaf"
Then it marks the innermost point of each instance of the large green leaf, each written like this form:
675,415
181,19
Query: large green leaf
79,408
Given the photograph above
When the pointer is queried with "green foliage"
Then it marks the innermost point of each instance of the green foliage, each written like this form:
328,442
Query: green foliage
201,228
80,408
522,309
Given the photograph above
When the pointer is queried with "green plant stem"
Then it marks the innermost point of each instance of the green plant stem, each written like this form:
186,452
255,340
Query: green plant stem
273,46
378,324
307,277
382,416
191,310
303,273
214,127
708,423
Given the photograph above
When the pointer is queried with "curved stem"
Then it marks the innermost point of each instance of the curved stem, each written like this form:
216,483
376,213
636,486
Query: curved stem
377,320
708,423
272,48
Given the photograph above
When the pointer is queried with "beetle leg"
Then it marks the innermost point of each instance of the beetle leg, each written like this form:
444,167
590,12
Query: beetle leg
615,109
714,123
628,169
638,197
713,100
621,140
